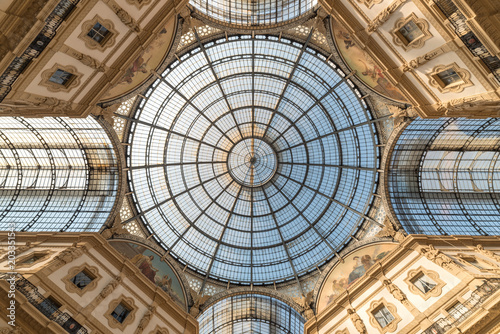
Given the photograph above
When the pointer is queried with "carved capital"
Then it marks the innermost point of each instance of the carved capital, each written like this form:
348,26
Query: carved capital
396,292
107,290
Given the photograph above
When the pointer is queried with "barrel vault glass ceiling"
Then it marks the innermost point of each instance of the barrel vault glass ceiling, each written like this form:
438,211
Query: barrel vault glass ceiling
252,159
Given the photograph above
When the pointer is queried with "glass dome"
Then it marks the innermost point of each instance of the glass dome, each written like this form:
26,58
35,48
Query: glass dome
252,160
253,13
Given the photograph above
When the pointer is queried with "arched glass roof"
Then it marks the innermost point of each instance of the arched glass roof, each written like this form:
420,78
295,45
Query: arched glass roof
56,174
444,176
252,160
251,313
252,12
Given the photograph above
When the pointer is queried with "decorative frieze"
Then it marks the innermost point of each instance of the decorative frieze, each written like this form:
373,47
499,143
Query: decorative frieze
421,60
83,58
470,105
480,249
384,15
41,106
123,15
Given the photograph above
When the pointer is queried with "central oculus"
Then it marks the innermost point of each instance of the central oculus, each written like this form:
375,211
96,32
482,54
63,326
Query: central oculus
252,162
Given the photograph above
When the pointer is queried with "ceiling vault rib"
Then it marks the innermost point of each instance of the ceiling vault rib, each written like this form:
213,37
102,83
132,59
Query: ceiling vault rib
292,72
226,223
283,241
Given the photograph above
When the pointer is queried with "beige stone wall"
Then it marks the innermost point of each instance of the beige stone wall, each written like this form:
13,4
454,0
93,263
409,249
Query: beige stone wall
117,279
389,282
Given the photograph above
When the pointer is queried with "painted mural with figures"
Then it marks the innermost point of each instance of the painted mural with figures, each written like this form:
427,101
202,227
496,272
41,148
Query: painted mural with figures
156,270
364,65
343,275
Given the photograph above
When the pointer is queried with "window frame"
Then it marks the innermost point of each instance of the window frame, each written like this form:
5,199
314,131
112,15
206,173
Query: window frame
45,255
72,272
91,43
434,292
376,306
436,82
56,87
416,43
127,302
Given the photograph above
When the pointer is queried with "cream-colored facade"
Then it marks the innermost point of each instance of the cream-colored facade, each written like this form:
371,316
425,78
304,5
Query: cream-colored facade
456,278
115,279
401,76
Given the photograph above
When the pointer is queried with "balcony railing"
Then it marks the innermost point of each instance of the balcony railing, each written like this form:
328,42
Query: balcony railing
475,46
45,306
478,297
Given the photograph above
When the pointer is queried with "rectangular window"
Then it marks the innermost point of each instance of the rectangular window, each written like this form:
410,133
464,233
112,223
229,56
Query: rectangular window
383,316
82,279
423,283
99,33
121,312
61,77
409,32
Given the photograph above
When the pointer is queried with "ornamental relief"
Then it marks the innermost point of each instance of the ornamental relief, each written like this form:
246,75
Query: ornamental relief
139,3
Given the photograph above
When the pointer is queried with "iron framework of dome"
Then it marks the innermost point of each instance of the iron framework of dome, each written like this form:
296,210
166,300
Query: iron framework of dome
252,13
251,313
252,160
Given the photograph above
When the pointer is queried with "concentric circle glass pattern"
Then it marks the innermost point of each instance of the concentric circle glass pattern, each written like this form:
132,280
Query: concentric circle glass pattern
314,159
252,162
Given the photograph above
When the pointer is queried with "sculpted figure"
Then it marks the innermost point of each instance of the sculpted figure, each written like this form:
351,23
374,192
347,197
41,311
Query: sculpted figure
357,321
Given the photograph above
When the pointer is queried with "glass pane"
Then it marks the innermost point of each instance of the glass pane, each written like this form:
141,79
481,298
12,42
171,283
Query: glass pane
120,312
383,316
60,77
424,283
449,77
81,280
410,31
252,160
